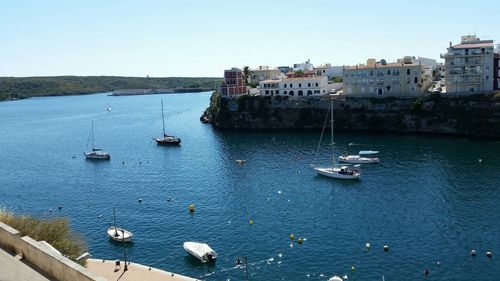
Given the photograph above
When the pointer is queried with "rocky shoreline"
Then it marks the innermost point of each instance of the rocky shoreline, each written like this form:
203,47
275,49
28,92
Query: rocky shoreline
475,115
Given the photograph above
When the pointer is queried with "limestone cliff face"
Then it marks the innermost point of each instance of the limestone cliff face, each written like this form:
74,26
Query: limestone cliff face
477,115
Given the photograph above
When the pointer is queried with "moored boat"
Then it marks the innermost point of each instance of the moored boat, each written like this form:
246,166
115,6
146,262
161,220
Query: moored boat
357,159
201,251
96,153
119,234
166,139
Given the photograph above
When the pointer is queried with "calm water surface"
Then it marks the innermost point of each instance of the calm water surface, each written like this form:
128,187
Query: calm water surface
429,199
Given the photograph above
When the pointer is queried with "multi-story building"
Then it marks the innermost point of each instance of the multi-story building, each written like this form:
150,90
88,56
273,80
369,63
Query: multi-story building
405,77
296,86
328,70
496,67
233,83
469,66
263,73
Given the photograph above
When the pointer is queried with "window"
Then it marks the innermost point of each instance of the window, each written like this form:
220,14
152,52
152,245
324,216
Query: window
317,91
291,85
309,85
285,85
309,92
415,80
267,92
285,93
291,93
407,71
389,72
300,92
277,92
300,85
316,84
371,72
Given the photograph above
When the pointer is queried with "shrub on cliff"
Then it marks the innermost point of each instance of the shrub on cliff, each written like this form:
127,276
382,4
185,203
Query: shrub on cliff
55,231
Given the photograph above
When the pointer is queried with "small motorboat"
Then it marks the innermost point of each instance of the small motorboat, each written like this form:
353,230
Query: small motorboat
368,153
357,159
201,251
241,161
119,234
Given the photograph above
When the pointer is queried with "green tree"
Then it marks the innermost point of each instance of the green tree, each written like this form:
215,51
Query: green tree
299,73
246,73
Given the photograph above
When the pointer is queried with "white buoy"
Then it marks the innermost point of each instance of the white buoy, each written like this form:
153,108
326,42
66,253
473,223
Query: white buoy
473,253
368,245
480,160
489,254
386,248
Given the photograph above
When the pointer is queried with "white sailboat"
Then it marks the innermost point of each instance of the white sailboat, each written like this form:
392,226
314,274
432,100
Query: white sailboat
166,139
119,234
336,171
96,153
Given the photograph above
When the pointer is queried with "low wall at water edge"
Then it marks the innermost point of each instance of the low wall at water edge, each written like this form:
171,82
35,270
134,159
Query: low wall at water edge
54,265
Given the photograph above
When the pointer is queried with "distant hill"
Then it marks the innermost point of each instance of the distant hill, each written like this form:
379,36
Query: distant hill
23,87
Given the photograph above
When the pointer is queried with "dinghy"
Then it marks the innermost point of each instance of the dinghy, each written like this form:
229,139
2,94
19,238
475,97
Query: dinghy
201,251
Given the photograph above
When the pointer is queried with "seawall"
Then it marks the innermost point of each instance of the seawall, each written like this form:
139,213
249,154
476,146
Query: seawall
473,115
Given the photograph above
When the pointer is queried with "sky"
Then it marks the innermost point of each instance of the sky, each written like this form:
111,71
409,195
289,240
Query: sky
201,38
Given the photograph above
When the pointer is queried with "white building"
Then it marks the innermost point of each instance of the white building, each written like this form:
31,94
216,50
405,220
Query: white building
469,66
297,86
306,66
328,70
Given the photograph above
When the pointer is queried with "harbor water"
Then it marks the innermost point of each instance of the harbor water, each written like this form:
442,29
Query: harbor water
431,199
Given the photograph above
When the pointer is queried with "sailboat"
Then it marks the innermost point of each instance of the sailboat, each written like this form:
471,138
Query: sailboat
336,171
96,153
119,234
166,139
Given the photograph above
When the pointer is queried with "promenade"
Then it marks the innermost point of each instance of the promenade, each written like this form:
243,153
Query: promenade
14,269
135,272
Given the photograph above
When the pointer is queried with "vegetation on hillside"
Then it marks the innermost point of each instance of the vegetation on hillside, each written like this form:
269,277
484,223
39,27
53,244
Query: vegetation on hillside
13,87
55,231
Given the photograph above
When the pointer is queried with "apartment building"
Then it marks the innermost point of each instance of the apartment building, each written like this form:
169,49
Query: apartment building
295,86
233,83
469,66
405,77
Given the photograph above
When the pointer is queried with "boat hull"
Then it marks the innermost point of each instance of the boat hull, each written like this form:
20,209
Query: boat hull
119,234
168,141
355,159
96,156
336,173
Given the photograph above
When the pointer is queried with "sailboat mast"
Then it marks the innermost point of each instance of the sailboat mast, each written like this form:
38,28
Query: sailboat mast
162,117
92,135
331,132
114,221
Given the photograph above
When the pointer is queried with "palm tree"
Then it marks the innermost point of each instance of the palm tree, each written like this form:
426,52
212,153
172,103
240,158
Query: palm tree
246,73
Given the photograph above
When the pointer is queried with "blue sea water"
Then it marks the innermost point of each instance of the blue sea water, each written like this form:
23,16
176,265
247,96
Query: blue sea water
430,199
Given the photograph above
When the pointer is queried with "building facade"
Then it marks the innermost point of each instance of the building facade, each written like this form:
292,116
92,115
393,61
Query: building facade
380,78
496,67
263,73
328,70
297,86
469,66
233,83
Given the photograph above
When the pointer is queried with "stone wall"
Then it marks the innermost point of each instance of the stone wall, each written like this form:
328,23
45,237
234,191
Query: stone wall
475,115
57,266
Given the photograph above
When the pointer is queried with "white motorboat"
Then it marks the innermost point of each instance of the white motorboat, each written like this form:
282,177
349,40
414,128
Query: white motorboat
119,234
201,251
335,171
368,153
335,278
358,159
96,153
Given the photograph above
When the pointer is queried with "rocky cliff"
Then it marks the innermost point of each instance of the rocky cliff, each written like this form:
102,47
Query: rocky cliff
476,115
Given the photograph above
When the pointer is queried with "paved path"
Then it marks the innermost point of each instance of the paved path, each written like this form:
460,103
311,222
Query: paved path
106,269
12,269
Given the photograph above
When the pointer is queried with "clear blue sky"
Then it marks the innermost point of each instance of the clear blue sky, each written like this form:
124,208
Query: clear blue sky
202,38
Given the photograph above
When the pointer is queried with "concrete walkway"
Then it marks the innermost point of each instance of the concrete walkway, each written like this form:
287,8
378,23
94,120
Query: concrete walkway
13,269
107,269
